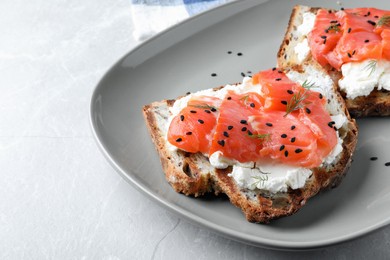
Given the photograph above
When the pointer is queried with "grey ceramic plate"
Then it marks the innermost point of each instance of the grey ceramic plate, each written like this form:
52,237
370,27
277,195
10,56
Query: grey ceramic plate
182,59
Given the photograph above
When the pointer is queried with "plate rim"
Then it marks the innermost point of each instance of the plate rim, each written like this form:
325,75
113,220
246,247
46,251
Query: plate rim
193,218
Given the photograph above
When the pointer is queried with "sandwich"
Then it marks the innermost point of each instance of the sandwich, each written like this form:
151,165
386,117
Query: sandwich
269,143
352,45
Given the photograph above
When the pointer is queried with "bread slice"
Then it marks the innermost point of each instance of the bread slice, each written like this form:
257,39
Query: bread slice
375,104
192,174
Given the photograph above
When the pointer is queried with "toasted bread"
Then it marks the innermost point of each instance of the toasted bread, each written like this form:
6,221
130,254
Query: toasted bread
375,104
192,173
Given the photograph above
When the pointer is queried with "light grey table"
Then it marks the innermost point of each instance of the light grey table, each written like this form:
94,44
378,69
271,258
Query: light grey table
59,198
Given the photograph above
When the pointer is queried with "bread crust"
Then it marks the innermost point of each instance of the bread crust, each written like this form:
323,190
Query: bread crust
192,174
375,104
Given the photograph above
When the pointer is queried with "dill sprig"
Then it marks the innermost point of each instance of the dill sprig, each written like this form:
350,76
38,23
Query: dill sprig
204,106
308,85
384,20
245,99
260,179
371,66
297,101
333,27
260,136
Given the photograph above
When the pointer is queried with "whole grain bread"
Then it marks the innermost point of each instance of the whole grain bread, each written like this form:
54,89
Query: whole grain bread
376,104
192,173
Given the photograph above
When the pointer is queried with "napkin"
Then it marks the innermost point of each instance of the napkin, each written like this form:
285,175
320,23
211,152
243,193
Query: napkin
152,16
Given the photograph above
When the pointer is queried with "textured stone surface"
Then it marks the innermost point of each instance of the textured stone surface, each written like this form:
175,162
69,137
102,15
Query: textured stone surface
59,197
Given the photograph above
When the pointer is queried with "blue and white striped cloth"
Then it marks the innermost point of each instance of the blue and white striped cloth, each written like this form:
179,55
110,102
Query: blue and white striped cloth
152,16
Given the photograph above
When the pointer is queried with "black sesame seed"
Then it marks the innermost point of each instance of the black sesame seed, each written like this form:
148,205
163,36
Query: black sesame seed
376,16
273,69
320,96
226,134
366,41
335,128
289,91
252,104
307,110
281,147
188,93
244,122
374,158
207,111
179,140
268,124
324,41
349,55
193,111
298,150
243,74
330,11
286,153
213,109
229,98
353,53
230,127
221,143
323,37
279,71
283,136
213,74
342,8
243,129
387,164
278,79
181,118
293,139
349,30
334,21
189,133
239,54
200,121
326,31
331,123
249,132
371,22
284,102
229,52
293,127
249,72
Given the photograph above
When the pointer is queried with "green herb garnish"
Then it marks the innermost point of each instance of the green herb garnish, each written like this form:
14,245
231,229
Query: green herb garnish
260,136
371,67
333,27
297,101
383,21
204,106
260,179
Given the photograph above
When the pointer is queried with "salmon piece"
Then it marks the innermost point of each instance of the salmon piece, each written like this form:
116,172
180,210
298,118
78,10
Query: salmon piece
234,136
324,37
289,142
386,44
348,36
192,129
276,88
356,46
